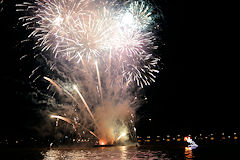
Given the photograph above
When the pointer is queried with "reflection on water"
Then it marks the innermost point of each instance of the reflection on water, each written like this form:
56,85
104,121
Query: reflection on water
118,152
124,152
152,152
188,153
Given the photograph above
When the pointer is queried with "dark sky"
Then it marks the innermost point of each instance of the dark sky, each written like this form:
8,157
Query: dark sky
197,87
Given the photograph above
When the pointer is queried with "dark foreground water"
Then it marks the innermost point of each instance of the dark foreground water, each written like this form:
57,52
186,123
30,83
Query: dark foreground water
163,152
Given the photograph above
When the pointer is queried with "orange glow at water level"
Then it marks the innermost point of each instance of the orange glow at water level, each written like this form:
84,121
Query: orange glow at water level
101,142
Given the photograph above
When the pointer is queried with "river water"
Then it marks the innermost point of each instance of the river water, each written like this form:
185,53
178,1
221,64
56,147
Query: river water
203,152
106,153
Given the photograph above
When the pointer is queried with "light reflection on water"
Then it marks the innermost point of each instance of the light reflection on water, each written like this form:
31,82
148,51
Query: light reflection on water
106,153
188,153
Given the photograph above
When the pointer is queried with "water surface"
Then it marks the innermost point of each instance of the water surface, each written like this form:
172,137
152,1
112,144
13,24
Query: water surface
148,152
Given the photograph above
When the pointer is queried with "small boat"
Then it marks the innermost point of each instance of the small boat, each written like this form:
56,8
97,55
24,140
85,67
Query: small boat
192,144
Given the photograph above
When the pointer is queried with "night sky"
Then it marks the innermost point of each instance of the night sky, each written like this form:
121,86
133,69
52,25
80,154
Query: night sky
196,88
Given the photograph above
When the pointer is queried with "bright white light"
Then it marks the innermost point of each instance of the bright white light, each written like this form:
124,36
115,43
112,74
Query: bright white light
123,134
58,21
128,19
75,87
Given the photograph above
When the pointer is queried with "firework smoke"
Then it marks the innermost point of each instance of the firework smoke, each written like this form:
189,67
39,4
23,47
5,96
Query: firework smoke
97,53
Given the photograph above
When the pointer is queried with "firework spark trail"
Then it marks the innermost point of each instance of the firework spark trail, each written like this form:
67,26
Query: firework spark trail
122,135
93,134
99,81
60,89
33,72
53,83
62,118
69,94
70,122
84,102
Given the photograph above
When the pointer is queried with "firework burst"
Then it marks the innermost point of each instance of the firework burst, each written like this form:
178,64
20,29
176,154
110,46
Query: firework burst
78,30
68,28
109,45
138,15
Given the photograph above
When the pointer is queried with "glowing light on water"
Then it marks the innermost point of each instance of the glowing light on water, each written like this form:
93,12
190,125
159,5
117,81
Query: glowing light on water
188,153
96,153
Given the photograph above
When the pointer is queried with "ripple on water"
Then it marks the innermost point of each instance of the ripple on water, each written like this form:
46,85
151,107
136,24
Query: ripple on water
107,153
